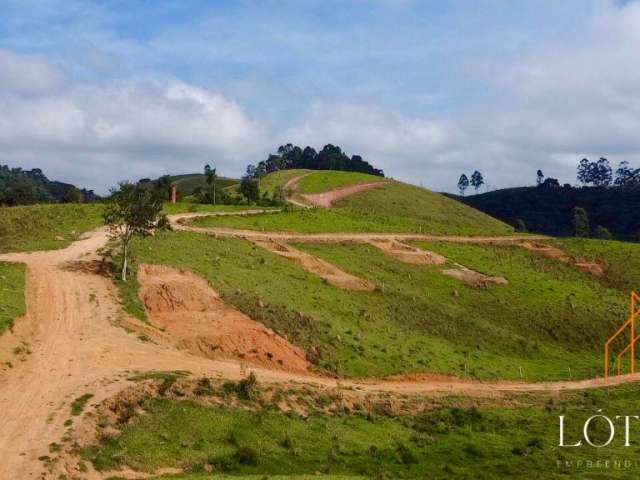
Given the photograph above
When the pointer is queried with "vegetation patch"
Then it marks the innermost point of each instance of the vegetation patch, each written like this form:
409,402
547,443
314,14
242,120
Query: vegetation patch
77,406
621,258
46,227
242,440
12,301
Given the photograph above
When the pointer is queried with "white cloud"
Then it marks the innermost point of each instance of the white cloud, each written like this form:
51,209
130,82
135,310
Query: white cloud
27,75
98,135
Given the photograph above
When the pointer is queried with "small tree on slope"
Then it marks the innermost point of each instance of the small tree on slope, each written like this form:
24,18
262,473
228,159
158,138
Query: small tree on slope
133,210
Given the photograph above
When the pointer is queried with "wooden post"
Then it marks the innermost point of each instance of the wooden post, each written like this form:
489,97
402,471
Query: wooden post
173,194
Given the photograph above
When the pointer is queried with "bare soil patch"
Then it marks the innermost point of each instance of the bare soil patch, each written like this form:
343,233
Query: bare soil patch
317,266
597,269
194,318
408,253
326,199
473,278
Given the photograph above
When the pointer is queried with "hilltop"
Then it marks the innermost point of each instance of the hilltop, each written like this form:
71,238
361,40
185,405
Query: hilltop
388,206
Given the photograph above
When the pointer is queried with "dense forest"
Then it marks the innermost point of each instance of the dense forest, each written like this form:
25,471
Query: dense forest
551,210
331,157
25,187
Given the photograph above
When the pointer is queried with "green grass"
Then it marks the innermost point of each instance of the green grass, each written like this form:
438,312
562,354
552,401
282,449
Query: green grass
549,319
12,301
514,440
324,180
77,406
394,207
46,227
184,207
268,183
186,184
622,259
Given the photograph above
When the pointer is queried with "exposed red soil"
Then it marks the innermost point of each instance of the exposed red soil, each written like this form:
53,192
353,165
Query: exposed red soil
473,278
194,318
597,269
408,253
317,266
326,199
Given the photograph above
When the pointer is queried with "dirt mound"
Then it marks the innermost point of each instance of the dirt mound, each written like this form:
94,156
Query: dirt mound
407,253
597,269
325,199
315,265
192,315
473,278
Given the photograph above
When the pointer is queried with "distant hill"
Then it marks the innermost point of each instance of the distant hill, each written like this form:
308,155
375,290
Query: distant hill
549,210
188,184
26,187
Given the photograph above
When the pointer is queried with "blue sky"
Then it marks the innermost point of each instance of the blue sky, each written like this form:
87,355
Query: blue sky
96,92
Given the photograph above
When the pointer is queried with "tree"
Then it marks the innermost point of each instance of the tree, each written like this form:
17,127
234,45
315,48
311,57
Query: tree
134,209
603,233
581,222
476,180
539,177
463,184
211,176
550,182
73,195
602,173
596,173
250,189
583,172
163,186
626,176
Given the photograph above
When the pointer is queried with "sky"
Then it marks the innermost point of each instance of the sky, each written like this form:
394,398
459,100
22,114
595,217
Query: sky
98,92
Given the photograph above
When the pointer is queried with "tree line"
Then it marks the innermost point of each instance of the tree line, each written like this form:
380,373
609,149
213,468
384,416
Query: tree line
598,173
331,157
27,187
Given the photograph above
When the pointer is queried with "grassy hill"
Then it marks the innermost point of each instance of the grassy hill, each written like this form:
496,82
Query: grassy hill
550,210
188,183
394,207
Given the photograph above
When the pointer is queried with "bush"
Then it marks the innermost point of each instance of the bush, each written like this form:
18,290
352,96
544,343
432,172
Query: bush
247,456
603,233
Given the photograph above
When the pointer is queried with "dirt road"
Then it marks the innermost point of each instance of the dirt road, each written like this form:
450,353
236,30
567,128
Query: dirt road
69,344
350,237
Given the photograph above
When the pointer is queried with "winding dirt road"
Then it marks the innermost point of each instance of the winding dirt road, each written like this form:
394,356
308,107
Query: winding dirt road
70,343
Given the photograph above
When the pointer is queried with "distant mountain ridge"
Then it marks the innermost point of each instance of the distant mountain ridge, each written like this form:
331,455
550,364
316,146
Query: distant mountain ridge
24,187
550,210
